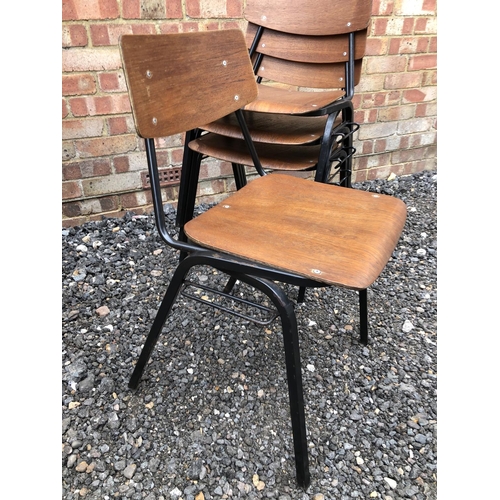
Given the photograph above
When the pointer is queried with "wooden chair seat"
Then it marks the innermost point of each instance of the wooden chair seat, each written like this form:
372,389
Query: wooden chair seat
335,235
272,156
272,128
287,101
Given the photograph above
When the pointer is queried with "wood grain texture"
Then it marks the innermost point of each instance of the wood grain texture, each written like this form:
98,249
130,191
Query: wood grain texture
282,100
310,17
322,76
179,81
271,156
272,128
338,236
303,48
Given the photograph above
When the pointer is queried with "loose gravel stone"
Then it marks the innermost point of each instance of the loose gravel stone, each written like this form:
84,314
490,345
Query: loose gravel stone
210,418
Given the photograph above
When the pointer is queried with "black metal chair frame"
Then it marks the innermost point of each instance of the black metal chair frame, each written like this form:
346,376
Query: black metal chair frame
342,133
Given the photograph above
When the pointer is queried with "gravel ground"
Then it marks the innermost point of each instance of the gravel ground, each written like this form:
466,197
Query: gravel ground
210,419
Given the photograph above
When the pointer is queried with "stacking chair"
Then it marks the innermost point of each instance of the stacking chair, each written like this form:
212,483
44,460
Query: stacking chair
307,58
277,229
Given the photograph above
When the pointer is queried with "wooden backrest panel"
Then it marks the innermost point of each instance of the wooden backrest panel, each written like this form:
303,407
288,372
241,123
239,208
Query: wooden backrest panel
180,81
324,76
306,48
310,17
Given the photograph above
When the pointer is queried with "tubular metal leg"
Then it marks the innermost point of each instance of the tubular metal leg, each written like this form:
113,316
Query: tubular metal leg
302,294
240,177
363,316
294,373
294,376
159,321
229,285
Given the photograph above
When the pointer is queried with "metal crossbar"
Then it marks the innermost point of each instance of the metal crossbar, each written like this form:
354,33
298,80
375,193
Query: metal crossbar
273,313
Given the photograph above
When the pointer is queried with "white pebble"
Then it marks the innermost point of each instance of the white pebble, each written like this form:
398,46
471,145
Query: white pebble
390,482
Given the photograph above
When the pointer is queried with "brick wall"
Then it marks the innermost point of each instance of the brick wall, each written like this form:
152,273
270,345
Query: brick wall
103,158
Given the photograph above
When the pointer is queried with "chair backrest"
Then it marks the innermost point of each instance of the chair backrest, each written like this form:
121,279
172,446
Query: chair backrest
305,43
310,17
180,81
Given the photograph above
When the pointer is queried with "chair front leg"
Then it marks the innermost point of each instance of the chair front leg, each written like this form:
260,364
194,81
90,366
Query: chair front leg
293,371
363,316
160,318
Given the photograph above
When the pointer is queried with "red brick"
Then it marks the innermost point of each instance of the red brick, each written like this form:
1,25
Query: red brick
189,27
429,6
71,171
169,28
234,8
74,35
71,210
112,82
86,168
379,27
236,25
71,189
99,34
77,129
129,200
65,109
408,24
378,173
420,62
119,125
176,156
393,97
83,84
367,147
89,9
174,9
373,100
380,145
105,146
78,106
425,109
407,45
423,43
121,164
109,203
396,113
131,9
382,7
376,46
100,105
433,44
193,8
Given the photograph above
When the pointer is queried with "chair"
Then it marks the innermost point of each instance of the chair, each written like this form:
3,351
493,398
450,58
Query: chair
177,82
299,45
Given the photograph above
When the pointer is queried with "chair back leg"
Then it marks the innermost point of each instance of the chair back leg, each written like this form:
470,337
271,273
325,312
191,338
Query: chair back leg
363,316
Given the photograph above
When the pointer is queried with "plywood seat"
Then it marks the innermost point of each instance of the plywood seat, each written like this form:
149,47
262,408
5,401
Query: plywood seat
272,128
334,235
271,156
